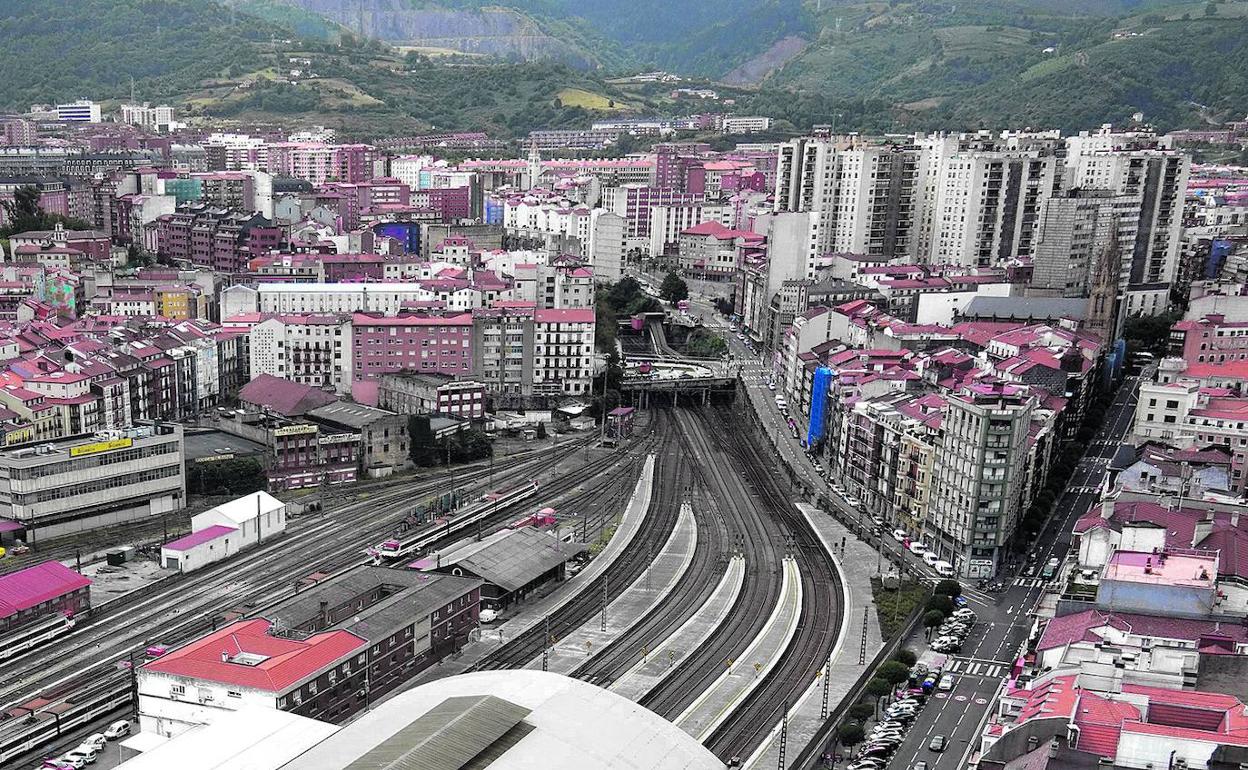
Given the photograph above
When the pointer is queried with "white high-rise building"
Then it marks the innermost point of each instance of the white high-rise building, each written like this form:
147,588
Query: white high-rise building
81,111
1140,165
158,118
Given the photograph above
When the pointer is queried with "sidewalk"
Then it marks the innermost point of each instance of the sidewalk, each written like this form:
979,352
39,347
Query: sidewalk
748,671
854,643
648,591
638,681
533,613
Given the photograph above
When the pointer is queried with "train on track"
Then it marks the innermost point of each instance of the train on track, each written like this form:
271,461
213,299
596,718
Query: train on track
414,542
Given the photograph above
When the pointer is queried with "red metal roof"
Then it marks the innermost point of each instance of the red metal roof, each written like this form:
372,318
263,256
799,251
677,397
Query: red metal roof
199,538
285,662
35,585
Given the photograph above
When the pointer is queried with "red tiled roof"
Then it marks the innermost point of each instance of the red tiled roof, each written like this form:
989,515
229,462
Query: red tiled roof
286,662
1080,626
35,585
287,398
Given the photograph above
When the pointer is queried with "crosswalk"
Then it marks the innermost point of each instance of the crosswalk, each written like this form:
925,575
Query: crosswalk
1029,582
972,667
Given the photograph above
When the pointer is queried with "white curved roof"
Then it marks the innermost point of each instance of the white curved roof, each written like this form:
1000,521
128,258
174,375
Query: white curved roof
575,725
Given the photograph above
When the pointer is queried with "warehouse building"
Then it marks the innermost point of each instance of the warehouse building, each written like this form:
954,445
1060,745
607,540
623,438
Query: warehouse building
31,594
512,562
325,653
62,487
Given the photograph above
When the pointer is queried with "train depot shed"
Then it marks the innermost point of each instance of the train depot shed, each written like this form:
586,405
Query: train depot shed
512,562
35,592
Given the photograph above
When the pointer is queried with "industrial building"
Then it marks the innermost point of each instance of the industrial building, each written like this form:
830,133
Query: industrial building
512,562
29,594
72,485
324,653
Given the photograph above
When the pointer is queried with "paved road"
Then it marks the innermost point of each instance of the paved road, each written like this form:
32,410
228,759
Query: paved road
1004,624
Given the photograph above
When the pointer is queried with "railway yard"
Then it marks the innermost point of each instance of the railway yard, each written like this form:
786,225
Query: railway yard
778,620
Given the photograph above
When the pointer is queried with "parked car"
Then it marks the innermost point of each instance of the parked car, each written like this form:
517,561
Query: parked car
899,535
488,616
917,547
85,753
96,741
930,559
117,730
73,761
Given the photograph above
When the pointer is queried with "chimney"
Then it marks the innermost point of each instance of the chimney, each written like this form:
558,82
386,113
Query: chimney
1053,748
225,657
1235,519
1202,529
1107,508
324,612
1032,742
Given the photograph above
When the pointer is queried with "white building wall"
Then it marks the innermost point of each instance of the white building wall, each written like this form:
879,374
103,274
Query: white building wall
170,705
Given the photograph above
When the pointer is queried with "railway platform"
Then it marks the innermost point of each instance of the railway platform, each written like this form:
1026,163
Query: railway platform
532,614
647,591
859,641
743,675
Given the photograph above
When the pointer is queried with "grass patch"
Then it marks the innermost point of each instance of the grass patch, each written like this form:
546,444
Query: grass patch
892,607
579,97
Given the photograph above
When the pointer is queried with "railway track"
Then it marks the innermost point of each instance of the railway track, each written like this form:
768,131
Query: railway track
819,625
670,476
690,594
91,684
762,547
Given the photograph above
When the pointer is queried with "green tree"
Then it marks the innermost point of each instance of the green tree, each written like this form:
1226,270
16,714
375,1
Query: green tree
878,688
468,446
850,733
1211,9
674,288
24,212
894,672
941,603
933,618
948,588
860,712
906,656
422,447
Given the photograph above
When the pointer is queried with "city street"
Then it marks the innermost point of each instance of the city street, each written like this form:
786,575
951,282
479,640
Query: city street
1003,626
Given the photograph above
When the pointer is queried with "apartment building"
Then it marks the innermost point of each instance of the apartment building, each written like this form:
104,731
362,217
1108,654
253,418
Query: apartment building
635,202
978,479
428,344
308,349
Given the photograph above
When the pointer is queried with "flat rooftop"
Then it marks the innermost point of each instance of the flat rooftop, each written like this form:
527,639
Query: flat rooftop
218,444
1189,570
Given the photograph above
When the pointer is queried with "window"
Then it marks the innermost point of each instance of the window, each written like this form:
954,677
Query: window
177,690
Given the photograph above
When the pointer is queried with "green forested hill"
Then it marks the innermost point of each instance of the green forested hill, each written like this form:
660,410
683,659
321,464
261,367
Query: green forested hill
900,64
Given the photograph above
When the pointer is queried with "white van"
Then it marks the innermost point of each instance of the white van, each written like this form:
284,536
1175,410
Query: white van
930,558
943,568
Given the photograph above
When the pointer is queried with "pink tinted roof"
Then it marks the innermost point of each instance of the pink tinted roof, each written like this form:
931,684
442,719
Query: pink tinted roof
200,537
285,662
35,585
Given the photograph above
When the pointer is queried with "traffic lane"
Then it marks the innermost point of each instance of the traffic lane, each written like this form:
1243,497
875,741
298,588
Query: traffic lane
947,714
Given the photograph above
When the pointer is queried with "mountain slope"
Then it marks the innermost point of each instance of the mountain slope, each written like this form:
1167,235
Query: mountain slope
57,50
988,63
